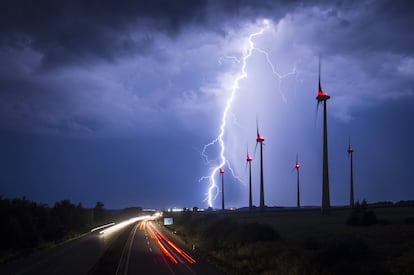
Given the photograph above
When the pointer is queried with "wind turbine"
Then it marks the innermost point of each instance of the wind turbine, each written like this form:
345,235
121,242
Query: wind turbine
249,161
260,139
351,198
321,99
297,166
222,187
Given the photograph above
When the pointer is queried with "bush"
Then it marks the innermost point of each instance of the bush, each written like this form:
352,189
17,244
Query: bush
409,220
361,216
369,218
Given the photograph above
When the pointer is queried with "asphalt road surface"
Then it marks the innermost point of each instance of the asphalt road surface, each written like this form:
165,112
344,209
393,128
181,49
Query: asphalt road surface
141,247
149,250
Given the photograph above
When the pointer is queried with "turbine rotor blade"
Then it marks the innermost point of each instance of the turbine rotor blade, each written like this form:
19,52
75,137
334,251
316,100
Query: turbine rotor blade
316,113
255,149
319,75
257,140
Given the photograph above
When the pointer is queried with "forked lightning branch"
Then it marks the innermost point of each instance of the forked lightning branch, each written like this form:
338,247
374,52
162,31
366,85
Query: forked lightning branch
222,161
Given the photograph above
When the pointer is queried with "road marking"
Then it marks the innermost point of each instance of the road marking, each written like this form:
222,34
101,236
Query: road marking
121,260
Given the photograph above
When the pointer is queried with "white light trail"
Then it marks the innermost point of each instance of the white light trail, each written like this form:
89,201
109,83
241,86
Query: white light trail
213,190
102,226
119,226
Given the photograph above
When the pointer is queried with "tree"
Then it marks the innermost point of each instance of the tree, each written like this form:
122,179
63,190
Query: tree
100,214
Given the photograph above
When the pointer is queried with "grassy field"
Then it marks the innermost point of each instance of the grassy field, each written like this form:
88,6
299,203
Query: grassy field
291,241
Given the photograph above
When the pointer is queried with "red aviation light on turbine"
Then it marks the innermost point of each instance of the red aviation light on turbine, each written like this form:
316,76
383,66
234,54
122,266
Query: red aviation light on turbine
221,171
350,150
321,95
249,158
297,165
259,138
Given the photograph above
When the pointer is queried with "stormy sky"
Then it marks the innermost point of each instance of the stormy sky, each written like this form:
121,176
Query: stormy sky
115,100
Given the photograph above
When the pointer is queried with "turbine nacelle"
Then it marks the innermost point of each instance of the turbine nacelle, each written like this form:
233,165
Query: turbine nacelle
322,96
221,171
249,158
259,138
297,165
350,150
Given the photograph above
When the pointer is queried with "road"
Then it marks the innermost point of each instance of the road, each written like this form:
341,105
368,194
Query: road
77,256
139,247
150,251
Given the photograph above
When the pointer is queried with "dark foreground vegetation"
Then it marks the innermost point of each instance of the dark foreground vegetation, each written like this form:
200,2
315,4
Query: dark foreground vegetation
27,226
363,240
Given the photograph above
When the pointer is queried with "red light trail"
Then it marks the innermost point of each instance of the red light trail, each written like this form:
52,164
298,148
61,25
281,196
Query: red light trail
168,247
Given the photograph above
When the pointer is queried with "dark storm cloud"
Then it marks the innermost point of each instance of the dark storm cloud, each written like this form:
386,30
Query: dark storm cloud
23,105
395,21
40,41
357,27
77,31
70,31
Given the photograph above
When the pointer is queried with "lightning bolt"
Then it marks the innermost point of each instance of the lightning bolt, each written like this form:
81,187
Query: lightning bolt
213,189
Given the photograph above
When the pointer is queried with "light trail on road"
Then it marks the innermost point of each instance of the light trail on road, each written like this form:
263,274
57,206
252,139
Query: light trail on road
168,247
119,226
174,246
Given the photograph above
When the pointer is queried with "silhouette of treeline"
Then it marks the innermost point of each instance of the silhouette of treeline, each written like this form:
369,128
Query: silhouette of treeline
27,224
390,203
